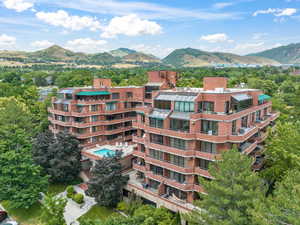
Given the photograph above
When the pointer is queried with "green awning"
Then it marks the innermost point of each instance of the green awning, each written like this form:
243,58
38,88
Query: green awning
92,93
263,97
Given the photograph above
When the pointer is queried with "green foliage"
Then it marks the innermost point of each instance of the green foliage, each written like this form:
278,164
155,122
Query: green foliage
70,189
59,156
231,194
20,179
78,198
122,206
283,207
53,208
283,151
107,181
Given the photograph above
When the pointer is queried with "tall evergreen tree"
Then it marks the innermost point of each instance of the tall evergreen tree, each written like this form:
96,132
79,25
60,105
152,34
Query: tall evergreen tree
60,156
107,181
282,151
283,207
230,194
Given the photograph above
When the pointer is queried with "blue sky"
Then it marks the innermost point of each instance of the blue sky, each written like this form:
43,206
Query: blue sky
151,26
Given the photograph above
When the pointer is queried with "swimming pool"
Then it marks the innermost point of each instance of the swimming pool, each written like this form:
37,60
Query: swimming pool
105,152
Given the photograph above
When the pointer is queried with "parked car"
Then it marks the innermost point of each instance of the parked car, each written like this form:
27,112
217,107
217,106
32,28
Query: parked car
3,216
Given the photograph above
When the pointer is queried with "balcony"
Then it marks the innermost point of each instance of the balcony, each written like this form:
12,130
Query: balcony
262,137
202,172
167,165
248,147
171,150
139,167
266,121
208,156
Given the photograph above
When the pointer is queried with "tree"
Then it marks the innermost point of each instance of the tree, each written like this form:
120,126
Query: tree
283,151
20,179
283,207
230,194
60,156
107,181
53,209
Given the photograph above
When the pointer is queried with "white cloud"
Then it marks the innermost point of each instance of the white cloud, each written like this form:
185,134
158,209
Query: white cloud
130,25
75,23
6,41
86,45
221,5
216,38
144,9
18,5
156,50
276,12
41,44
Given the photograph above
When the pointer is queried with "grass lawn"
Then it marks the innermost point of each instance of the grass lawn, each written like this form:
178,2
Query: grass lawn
24,216
55,189
97,212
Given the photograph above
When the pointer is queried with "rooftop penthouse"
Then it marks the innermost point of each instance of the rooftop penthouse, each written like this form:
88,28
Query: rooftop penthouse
175,132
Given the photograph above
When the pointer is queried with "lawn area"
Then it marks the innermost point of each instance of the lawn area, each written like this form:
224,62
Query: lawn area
24,216
97,212
55,189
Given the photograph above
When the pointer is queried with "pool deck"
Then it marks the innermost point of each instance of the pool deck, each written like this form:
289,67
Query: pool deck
89,153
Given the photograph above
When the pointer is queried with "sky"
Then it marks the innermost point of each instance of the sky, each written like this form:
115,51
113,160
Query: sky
151,26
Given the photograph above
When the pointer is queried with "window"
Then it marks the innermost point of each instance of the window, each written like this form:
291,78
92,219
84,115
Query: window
157,139
245,121
204,164
154,122
129,94
156,154
94,129
153,184
233,127
227,107
241,105
257,114
184,107
180,125
115,95
209,127
252,117
208,147
160,104
94,118
180,178
177,143
157,170
79,108
94,108
94,139
111,106
65,107
206,106
177,160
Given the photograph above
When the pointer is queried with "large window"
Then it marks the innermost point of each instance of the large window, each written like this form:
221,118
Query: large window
203,164
208,147
245,121
111,106
241,105
94,118
177,160
157,139
94,108
209,127
177,143
157,170
156,154
180,178
257,114
206,106
233,127
154,122
115,95
160,104
129,94
184,107
180,125
65,107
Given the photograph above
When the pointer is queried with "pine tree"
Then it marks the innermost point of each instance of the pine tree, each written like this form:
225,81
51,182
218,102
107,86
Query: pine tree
107,181
230,194
283,207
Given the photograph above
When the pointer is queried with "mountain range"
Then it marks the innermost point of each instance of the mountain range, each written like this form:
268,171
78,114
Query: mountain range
185,57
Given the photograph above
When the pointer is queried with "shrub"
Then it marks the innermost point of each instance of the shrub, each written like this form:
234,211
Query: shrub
122,206
70,195
78,198
70,189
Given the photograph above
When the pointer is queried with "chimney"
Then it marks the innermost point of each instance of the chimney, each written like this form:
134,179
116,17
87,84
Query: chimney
214,83
101,82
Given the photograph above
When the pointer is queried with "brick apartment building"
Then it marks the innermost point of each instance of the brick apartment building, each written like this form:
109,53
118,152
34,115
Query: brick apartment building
177,131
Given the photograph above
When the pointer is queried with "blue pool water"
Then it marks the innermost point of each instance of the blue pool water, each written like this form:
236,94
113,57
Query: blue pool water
105,152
